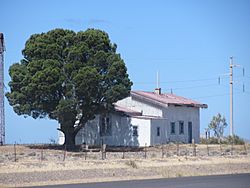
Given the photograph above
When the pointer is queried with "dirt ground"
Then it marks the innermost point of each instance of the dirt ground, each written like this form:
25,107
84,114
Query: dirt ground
29,166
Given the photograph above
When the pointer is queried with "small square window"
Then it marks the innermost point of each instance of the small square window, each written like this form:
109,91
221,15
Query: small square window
172,127
135,130
158,131
181,127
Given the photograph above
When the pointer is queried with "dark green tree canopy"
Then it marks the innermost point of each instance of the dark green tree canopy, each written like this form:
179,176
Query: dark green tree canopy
68,76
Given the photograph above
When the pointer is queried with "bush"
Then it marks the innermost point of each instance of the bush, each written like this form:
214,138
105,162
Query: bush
131,164
235,140
211,140
226,140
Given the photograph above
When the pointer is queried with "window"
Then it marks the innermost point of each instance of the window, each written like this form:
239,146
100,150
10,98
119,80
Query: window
181,127
106,126
158,131
135,130
172,127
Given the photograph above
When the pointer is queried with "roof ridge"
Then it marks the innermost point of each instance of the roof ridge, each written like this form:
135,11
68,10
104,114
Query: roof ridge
168,98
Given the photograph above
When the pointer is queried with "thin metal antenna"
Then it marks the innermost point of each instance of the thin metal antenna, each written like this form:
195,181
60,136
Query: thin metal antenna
157,79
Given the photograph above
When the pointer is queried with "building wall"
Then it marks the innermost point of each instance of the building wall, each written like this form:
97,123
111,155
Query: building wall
122,126
90,133
185,114
121,132
163,126
146,108
144,130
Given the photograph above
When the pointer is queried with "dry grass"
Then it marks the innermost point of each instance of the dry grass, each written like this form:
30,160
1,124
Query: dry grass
134,166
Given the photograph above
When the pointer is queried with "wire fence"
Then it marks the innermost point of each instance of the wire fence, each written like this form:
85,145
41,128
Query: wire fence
16,153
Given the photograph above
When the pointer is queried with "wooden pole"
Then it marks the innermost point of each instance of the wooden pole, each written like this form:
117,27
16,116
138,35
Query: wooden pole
64,153
42,153
221,152
245,148
186,152
162,151
15,159
232,148
194,148
177,149
207,149
123,153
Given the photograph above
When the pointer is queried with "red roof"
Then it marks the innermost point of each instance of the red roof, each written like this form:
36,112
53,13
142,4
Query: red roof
166,99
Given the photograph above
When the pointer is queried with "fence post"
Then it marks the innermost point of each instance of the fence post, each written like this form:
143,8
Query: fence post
145,150
123,153
86,151
103,151
177,149
221,153
162,151
194,147
42,153
245,148
15,159
167,150
186,152
64,153
232,148
207,149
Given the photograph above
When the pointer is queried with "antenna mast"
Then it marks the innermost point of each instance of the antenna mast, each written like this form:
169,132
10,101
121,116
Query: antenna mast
2,117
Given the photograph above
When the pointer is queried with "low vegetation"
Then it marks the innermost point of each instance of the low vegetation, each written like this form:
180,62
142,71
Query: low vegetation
225,140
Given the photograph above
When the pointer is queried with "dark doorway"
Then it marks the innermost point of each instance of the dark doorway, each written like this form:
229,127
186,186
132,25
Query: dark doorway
190,132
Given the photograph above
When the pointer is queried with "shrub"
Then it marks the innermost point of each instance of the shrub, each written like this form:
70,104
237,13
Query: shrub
226,140
131,164
235,140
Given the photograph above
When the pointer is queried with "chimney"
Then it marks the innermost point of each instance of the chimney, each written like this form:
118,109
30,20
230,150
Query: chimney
158,91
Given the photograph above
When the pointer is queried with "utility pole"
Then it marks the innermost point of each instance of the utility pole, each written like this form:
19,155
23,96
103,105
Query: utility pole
231,96
231,82
2,117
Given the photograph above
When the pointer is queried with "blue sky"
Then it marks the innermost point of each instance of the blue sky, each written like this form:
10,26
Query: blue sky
188,41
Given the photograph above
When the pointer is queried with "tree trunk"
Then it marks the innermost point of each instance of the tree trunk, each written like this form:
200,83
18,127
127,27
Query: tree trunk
69,136
70,131
69,139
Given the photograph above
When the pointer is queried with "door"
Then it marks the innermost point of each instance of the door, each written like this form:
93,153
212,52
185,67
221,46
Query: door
190,135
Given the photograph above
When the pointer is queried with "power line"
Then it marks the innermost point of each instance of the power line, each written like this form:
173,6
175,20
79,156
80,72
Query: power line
218,95
192,87
179,81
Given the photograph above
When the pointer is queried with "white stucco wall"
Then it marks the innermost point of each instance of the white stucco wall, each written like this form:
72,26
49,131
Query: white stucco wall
185,114
146,108
144,130
121,133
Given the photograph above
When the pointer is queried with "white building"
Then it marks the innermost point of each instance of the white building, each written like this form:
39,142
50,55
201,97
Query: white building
149,118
